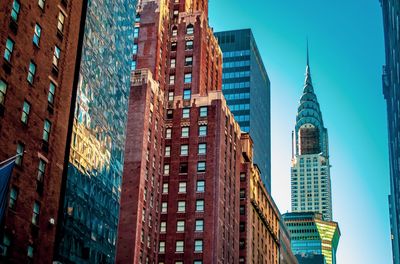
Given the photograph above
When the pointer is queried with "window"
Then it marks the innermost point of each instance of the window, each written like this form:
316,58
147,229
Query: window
174,31
170,96
182,187
189,61
185,112
56,56
202,149
181,206
185,132
170,114
199,205
163,227
3,91
242,227
242,210
198,245
36,212
133,65
188,78
26,108
180,226
161,248
242,193
199,226
242,244
174,46
172,79
203,130
165,188
52,91
41,3
198,262
200,186
46,130
201,166
190,29
30,251
5,245
9,49
189,45
166,169
13,198
172,63
60,23
15,10
183,168
167,151
187,94
179,246
184,150
31,72
168,133
164,207
36,35
135,49
136,32
242,176
41,170
203,111
20,153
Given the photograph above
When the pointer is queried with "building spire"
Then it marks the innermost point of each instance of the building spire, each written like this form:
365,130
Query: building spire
308,81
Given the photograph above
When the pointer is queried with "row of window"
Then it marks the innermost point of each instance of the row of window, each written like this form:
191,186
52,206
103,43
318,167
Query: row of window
202,132
183,167
180,226
201,150
238,53
230,75
237,96
187,79
189,29
12,204
233,64
180,246
237,85
182,206
200,187
239,107
26,110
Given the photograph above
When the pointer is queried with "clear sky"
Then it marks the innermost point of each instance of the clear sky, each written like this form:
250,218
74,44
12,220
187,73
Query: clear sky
346,57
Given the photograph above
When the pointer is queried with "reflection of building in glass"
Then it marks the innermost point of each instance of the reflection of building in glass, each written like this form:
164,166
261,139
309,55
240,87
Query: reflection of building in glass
286,255
88,229
246,88
391,91
312,236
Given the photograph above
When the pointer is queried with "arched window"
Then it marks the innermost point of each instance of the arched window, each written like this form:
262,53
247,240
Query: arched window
190,29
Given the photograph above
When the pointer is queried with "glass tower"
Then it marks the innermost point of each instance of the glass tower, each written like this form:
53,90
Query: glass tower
88,230
246,88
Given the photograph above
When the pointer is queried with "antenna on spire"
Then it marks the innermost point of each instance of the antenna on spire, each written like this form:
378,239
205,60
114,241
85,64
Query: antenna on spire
308,55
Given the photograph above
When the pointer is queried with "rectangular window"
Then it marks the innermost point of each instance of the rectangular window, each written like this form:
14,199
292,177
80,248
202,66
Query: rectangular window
172,79
31,72
183,168
165,188
46,130
30,252
189,45
3,91
6,245
41,3
172,63
167,151
163,227
187,94
242,177
181,206
203,111
15,10
182,187
200,186
166,169
13,198
20,153
52,91
199,225
56,56
36,212
26,108
136,32
185,132
60,22
198,245
36,35
179,247
168,133
188,78
242,210
133,65
180,226
200,205
164,207
135,49
170,114
203,131
189,61
185,112
174,46
9,49
202,150
242,193
161,247
184,150
201,166
171,96
41,170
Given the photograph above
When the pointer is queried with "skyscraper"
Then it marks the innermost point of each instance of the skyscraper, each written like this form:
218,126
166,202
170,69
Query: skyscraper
40,50
180,190
246,87
391,88
310,170
87,230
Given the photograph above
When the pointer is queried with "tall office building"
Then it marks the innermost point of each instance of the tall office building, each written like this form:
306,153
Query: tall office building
246,87
180,189
88,223
39,46
391,89
313,239
310,170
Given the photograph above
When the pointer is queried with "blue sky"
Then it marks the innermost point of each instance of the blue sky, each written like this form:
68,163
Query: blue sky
346,57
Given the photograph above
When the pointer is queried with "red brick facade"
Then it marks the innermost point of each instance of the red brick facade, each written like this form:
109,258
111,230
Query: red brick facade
30,223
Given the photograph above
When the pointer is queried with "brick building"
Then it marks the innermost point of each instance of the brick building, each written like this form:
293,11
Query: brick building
40,47
259,216
182,158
